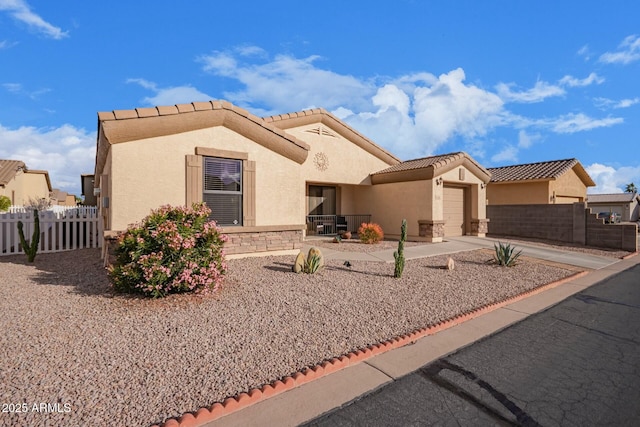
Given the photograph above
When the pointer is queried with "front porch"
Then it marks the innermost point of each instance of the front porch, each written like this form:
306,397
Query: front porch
334,224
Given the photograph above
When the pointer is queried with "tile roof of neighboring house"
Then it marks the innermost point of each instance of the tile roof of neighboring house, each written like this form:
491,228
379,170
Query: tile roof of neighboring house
8,169
541,171
612,198
320,115
429,167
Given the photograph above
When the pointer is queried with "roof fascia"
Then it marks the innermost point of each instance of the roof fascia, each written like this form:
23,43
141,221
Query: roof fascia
319,115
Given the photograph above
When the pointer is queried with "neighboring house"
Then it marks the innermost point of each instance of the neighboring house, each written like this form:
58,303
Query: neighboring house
22,185
87,184
270,181
625,204
552,182
62,198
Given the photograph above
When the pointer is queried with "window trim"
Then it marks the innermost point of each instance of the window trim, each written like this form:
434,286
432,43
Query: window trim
194,180
240,193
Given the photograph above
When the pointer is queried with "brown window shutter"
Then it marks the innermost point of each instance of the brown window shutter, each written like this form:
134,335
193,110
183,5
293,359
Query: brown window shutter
249,193
194,179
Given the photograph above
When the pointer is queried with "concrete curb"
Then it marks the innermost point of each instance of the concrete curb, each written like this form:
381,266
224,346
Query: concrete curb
236,403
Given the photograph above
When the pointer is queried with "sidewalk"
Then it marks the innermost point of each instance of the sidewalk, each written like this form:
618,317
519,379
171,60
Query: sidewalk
308,401
465,243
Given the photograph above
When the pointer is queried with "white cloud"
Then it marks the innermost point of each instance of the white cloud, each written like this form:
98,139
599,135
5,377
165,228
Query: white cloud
571,123
414,121
628,51
590,79
611,180
585,52
66,152
538,93
508,154
12,87
287,83
411,115
170,95
20,10
526,140
610,103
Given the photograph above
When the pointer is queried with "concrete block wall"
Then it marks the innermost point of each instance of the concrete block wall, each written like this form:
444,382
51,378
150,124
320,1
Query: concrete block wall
563,223
615,236
553,222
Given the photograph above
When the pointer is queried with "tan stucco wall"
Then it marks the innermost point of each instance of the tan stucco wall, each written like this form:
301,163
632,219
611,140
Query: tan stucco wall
25,186
476,196
390,203
525,193
149,173
347,163
568,188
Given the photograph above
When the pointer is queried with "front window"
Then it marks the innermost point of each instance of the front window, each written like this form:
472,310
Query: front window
223,190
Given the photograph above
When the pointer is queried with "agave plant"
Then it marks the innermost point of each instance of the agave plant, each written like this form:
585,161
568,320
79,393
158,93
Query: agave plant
312,265
505,254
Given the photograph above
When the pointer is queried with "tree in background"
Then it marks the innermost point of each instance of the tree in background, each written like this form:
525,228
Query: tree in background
631,188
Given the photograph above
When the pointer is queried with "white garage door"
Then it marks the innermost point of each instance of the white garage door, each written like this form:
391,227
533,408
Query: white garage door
453,211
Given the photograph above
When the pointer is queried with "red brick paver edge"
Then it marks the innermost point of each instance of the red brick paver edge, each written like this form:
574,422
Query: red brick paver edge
233,404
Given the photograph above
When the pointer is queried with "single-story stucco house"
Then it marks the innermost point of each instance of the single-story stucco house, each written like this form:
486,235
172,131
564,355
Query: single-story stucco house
627,205
541,183
23,185
271,181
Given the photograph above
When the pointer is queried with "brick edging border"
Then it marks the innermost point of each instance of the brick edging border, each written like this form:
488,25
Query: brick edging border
242,400
631,255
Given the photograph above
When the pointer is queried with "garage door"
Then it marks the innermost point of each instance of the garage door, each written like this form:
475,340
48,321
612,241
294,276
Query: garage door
453,211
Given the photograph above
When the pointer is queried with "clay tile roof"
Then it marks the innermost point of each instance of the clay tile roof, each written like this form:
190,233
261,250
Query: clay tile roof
8,169
612,198
434,161
429,167
320,115
540,171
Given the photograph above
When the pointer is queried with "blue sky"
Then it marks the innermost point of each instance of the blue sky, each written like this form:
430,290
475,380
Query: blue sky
506,81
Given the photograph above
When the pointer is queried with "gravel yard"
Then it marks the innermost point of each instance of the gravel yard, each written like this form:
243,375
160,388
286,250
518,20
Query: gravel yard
117,360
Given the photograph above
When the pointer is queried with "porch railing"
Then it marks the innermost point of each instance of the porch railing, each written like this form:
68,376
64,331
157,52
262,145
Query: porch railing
333,224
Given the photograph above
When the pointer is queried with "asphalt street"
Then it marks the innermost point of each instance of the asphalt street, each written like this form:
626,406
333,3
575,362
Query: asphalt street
574,364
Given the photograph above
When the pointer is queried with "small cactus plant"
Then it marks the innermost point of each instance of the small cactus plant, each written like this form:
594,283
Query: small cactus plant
399,254
310,264
505,255
31,248
313,264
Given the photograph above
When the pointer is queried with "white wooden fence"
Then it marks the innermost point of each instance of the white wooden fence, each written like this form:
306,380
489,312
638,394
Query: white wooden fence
62,229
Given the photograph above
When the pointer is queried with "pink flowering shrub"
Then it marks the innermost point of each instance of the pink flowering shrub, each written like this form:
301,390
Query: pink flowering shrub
173,250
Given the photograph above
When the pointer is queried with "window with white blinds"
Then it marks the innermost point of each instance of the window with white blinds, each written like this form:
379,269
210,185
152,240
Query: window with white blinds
223,190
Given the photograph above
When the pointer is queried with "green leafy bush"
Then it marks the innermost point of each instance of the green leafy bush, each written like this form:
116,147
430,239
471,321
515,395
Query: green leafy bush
5,203
370,232
173,250
505,254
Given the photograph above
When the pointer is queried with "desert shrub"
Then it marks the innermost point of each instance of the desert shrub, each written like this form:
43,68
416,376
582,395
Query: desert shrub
370,232
40,204
5,203
173,250
505,254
